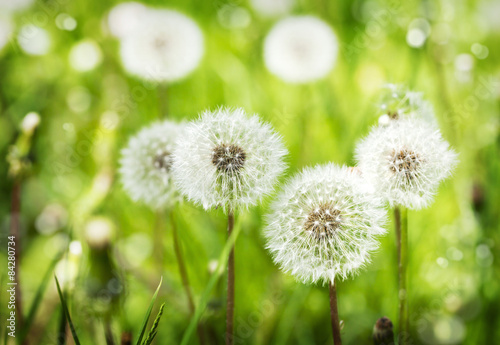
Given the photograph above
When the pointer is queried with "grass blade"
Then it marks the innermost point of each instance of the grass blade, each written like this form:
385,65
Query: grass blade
148,314
200,308
38,298
66,311
154,329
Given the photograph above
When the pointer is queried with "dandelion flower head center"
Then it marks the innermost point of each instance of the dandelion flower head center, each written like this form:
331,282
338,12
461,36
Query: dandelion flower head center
228,158
161,43
322,222
163,161
405,162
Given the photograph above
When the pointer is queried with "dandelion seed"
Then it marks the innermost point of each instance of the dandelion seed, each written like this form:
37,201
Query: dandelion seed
324,224
406,160
145,165
300,49
166,47
227,159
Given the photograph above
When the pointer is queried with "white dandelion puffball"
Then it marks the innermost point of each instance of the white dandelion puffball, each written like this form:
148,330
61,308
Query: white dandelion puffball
145,165
398,102
300,49
166,47
125,18
228,159
269,8
406,160
324,224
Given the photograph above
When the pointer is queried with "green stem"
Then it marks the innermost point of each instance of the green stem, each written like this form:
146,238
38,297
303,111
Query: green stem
334,313
401,220
162,94
230,283
184,275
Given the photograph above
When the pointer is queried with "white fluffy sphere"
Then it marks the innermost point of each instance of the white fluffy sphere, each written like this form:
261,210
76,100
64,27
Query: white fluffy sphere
228,159
167,46
406,160
145,165
126,17
324,224
300,49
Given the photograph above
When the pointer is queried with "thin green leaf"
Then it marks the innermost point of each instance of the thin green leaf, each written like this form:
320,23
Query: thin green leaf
200,308
154,329
66,311
38,298
148,314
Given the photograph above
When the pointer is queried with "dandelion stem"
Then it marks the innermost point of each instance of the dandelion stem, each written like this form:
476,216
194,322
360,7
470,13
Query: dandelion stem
334,314
162,94
15,230
401,220
230,283
184,275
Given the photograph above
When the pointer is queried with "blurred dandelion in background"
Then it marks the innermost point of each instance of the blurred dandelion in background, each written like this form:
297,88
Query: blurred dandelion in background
146,164
165,46
397,102
300,49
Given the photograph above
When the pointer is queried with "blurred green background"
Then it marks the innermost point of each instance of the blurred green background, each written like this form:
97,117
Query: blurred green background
454,279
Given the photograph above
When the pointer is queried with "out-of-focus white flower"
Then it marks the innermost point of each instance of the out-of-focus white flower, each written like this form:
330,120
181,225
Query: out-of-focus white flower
145,165
85,55
126,17
272,7
406,160
324,224
99,232
300,49
398,102
5,31
34,40
228,159
30,122
167,46
14,5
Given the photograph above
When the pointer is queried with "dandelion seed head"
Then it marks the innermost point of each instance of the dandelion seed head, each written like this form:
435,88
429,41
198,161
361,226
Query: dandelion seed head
227,159
405,161
300,49
397,102
145,165
324,225
166,46
126,17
